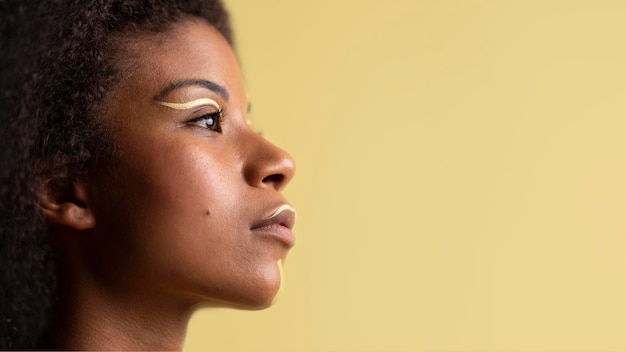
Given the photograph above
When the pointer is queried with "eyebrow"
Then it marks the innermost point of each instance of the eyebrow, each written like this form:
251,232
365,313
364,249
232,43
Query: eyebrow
221,91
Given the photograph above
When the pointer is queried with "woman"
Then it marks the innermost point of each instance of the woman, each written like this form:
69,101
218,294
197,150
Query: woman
133,189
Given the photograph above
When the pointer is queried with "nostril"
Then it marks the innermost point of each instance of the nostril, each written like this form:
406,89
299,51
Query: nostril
275,179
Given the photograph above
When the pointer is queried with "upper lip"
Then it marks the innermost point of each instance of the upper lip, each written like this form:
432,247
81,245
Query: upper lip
284,215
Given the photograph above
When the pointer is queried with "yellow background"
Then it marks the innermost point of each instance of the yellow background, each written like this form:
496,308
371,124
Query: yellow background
461,179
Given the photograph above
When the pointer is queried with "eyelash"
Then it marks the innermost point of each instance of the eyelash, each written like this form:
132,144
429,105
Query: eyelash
201,121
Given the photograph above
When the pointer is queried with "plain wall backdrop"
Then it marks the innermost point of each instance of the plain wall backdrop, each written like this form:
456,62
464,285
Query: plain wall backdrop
461,180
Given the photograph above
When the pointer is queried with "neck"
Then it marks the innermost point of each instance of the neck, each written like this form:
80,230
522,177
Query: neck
93,317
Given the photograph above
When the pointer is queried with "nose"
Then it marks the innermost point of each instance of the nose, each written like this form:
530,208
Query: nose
268,165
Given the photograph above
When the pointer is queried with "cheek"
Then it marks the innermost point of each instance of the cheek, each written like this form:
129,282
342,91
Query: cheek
176,171
155,221
172,186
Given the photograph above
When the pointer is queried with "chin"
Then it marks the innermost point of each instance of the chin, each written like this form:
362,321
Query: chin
262,297
260,292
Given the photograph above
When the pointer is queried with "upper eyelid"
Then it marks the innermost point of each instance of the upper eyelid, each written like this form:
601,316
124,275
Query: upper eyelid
190,104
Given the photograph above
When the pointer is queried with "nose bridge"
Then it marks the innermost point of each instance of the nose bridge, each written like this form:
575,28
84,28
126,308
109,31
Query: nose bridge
266,165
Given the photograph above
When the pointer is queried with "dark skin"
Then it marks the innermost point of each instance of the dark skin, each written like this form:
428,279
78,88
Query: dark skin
176,221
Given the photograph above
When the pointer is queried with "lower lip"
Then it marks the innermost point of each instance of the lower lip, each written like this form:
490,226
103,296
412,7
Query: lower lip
278,232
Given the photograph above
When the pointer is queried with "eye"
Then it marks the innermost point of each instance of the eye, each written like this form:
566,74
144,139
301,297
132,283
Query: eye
211,121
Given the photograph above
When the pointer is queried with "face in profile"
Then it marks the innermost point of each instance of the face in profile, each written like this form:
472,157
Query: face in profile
191,209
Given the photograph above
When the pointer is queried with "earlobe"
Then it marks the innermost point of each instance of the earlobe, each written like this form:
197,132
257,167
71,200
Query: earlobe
70,209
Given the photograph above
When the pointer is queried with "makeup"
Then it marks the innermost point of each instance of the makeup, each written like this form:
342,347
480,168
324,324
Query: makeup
190,104
282,281
281,209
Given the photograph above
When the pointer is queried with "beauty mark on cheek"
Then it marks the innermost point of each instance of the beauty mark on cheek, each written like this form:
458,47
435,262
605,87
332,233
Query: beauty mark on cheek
190,104
282,281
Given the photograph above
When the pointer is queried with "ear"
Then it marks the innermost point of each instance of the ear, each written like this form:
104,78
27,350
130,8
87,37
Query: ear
70,208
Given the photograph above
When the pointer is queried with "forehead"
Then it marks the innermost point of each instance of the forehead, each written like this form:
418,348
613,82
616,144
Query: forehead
189,50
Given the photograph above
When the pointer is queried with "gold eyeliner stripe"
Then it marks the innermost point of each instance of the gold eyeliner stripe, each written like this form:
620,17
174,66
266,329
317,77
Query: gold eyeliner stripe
190,104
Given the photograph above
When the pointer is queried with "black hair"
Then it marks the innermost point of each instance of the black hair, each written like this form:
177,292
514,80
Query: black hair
57,60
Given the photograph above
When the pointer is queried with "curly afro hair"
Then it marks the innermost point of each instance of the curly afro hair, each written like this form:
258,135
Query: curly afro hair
57,60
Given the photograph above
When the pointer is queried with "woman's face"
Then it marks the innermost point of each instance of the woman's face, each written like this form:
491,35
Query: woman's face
182,212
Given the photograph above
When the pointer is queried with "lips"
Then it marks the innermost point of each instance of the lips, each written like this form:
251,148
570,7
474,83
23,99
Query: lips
278,225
